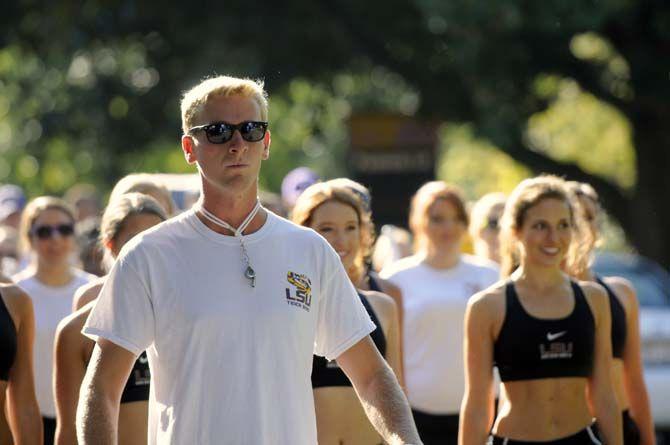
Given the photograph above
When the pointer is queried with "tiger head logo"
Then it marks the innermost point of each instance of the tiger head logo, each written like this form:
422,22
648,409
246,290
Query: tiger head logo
303,290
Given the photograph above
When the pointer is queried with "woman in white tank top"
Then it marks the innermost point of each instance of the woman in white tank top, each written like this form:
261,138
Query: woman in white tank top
436,283
47,233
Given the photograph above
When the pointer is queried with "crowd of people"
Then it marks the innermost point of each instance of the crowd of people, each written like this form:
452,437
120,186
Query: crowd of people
140,324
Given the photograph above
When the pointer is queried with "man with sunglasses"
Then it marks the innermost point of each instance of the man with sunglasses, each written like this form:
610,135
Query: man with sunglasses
230,302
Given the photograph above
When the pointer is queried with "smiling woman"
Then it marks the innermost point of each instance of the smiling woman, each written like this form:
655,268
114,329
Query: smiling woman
341,217
548,335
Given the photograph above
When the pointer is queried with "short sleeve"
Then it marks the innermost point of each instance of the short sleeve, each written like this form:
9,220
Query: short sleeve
123,313
342,318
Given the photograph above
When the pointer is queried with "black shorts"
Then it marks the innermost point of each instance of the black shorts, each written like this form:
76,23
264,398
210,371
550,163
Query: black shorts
587,436
631,433
436,429
49,425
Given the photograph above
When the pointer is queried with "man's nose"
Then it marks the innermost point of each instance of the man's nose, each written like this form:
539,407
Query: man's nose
236,142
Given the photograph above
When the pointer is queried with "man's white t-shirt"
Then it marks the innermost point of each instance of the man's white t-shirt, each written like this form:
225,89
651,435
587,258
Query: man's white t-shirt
230,364
434,303
51,304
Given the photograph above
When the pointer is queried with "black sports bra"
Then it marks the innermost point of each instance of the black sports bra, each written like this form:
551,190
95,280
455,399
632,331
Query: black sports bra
328,373
7,341
533,348
618,321
137,386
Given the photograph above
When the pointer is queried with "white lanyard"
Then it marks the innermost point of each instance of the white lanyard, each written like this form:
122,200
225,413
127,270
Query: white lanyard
249,272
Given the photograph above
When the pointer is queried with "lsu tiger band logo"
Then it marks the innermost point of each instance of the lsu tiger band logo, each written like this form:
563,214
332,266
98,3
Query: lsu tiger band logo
302,294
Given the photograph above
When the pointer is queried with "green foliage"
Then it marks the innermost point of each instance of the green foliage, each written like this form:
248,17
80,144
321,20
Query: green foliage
579,128
475,164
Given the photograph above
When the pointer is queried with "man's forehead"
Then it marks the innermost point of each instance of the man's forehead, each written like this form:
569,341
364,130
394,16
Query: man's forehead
233,109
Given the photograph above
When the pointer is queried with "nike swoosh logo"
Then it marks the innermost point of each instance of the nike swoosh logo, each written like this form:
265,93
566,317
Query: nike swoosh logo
552,337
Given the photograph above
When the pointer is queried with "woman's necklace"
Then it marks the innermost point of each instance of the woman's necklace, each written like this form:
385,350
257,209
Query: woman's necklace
249,272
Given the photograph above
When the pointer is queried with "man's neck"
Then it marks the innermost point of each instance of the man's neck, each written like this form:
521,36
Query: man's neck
233,208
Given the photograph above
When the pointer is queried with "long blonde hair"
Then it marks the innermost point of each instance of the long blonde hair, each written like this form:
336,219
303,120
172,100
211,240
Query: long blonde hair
590,238
318,194
526,195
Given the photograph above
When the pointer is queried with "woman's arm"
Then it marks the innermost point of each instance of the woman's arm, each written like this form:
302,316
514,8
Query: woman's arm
24,415
600,390
633,377
386,310
476,414
395,293
393,341
69,371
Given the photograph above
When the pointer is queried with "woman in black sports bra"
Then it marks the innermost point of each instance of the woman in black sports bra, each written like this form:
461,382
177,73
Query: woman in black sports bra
638,425
548,336
125,217
338,215
17,387
370,280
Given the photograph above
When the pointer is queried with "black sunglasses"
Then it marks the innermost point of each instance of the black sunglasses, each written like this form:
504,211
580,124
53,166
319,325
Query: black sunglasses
47,231
222,132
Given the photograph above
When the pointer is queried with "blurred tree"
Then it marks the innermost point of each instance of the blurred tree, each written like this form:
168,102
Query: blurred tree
87,85
504,66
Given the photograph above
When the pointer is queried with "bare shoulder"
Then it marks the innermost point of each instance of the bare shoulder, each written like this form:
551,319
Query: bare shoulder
87,293
596,295
381,303
70,327
592,289
622,287
18,302
624,291
387,287
489,301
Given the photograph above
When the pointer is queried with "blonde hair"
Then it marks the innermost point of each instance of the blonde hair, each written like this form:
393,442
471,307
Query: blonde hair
144,183
317,194
194,100
117,213
526,195
590,238
481,209
425,197
33,210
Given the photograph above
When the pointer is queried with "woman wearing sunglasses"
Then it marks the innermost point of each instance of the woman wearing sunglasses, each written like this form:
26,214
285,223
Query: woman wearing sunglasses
547,334
627,373
47,229
125,216
23,424
485,225
436,283
339,215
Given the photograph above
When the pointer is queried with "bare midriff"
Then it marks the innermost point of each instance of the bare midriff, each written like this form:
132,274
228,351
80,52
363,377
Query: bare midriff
340,419
133,418
542,409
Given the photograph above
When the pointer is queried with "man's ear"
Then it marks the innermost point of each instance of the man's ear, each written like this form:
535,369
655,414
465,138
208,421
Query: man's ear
266,145
187,146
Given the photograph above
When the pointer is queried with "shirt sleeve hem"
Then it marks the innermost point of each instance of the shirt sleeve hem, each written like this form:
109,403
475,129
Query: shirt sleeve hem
94,334
355,338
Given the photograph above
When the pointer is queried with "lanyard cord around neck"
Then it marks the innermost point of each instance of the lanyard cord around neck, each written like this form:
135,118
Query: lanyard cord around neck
249,272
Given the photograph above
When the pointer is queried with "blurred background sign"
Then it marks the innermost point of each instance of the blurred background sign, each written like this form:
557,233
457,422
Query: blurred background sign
393,155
